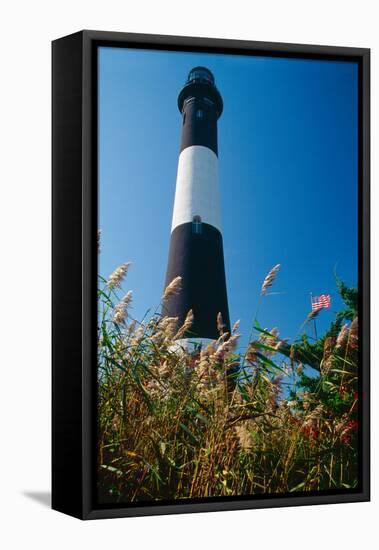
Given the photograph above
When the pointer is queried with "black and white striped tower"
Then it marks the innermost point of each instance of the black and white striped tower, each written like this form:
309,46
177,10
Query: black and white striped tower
196,248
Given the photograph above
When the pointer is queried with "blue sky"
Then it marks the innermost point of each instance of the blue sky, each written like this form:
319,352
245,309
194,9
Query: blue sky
288,176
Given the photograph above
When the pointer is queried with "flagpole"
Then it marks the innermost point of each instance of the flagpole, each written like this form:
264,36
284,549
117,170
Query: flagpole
314,319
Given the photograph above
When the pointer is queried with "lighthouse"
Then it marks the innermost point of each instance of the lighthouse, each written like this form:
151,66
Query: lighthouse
196,247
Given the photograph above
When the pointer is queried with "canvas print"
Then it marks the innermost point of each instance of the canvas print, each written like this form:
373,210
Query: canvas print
228,349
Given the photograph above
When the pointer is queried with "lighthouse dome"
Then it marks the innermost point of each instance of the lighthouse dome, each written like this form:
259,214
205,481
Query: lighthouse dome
201,73
200,84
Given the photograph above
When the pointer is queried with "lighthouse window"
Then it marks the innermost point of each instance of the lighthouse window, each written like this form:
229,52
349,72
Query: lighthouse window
196,225
199,113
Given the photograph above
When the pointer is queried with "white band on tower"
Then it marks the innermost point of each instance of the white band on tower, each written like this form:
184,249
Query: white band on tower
197,188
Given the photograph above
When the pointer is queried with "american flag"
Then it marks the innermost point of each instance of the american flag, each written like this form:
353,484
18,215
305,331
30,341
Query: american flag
322,301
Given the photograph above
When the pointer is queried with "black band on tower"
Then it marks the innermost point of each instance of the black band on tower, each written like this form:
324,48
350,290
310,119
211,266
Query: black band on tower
201,105
199,124
199,259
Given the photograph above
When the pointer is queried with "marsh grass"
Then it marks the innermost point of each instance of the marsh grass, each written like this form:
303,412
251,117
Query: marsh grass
178,423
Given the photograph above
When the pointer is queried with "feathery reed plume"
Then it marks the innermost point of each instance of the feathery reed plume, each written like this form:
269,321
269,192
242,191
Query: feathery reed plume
251,353
220,324
139,334
209,350
280,343
121,309
226,347
327,359
269,337
118,275
270,340
270,278
313,314
328,346
342,337
244,437
188,322
224,336
172,288
168,326
313,415
235,326
131,328
353,337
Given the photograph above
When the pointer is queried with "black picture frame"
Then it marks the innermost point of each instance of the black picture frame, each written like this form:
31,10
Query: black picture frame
74,268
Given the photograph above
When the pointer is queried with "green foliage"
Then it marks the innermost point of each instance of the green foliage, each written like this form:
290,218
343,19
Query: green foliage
311,352
350,298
